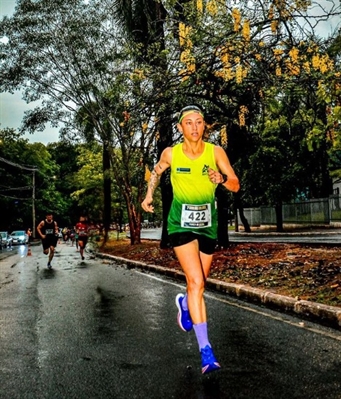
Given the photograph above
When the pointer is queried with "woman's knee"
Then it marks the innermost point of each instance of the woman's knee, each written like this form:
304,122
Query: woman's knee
195,284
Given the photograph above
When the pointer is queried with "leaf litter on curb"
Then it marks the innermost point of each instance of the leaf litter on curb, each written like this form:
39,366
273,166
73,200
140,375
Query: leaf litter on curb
296,270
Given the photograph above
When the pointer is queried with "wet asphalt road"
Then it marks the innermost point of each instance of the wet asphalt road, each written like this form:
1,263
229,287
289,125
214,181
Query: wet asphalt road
93,329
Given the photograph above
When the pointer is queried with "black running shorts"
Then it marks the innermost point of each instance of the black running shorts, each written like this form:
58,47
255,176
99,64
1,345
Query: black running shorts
83,240
49,241
206,245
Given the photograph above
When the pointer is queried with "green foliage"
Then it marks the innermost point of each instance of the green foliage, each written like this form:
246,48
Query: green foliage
22,165
121,87
89,181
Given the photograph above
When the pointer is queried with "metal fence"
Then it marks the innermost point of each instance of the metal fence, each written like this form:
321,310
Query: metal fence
320,211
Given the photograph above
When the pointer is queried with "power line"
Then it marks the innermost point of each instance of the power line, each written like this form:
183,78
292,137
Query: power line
16,198
31,169
2,189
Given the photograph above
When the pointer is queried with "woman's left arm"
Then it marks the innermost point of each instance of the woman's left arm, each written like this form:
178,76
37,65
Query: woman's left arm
228,177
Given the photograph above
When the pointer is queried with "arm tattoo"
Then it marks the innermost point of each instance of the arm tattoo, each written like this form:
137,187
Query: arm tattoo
154,181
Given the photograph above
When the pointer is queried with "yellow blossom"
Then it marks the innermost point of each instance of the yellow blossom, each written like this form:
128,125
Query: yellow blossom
191,67
271,12
246,30
242,112
212,8
184,35
277,53
315,61
273,26
147,174
237,18
144,127
293,69
223,136
184,56
239,74
306,66
226,74
225,59
182,32
293,53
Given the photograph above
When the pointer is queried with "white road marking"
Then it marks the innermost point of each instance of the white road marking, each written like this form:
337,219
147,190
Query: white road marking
298,324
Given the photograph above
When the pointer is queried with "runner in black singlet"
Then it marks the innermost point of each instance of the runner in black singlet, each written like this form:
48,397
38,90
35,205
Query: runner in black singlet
48,231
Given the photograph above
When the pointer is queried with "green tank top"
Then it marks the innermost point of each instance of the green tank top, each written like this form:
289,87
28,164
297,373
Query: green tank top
193,207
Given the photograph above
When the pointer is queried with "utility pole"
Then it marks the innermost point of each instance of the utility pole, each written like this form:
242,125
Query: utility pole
32,169
33,203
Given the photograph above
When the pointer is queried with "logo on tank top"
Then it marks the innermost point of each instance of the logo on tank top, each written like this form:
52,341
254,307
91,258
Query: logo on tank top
183,170
205,169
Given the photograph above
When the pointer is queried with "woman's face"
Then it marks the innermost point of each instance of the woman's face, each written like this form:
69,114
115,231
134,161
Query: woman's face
192,126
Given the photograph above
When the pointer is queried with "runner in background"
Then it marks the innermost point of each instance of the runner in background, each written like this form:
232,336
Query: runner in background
82,229
29,233
48,231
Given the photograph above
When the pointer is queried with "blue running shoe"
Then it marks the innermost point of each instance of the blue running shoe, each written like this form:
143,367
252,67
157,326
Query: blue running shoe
208,361
184,318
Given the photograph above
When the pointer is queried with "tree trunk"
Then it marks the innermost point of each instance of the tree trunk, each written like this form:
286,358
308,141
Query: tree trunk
279,217
240,208
167,197
106,191
222,213
165,129
134,224
243,219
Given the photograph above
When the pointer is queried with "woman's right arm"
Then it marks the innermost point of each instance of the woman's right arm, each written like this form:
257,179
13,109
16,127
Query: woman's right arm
40,225
163,164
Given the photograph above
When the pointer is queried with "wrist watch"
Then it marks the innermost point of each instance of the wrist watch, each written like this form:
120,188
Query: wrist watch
224,178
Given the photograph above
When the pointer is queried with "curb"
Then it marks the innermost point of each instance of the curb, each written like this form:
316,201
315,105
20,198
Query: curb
326,315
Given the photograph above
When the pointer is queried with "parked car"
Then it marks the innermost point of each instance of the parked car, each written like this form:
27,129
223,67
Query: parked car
19,237
7,240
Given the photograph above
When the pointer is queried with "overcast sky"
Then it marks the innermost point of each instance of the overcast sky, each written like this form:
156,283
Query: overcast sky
12,106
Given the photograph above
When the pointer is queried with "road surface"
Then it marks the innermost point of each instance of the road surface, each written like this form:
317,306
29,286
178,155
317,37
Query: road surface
93,329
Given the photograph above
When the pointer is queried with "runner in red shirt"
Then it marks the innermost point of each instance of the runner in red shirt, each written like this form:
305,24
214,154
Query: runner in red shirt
82,229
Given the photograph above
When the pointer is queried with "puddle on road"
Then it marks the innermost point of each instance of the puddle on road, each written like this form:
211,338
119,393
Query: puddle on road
104,312
48,273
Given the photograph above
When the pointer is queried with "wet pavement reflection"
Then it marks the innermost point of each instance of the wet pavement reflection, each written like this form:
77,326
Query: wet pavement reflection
94,329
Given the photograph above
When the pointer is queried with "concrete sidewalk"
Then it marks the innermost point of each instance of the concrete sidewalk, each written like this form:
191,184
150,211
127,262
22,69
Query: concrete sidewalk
327,236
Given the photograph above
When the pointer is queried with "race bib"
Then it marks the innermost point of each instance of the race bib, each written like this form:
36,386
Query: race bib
49,231
196,216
